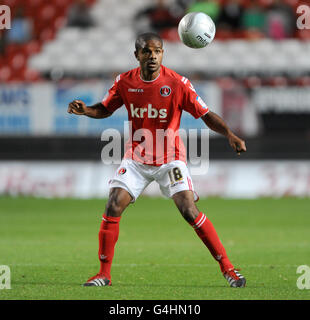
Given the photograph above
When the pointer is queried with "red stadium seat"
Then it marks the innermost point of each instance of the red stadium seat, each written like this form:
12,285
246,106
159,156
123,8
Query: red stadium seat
226,83
32,47
32,7
278,81
47,12
11,49
61,7
59,22
303,81
17,75
5,73
303,35
18,61
252,82
223,34
47,34
239,34
30,75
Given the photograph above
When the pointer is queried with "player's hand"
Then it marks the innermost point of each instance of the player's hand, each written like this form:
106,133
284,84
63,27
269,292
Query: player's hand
237,144
77,107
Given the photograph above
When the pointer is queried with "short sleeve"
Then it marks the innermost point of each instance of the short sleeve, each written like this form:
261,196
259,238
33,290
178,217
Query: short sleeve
191,101
113,100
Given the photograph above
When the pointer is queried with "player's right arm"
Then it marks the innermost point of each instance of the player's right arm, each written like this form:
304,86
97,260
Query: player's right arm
97,111
111,101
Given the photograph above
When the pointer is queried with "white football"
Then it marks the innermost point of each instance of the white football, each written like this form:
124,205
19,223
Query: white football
196,30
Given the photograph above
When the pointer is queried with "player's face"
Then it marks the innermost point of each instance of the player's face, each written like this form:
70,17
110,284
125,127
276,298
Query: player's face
150,57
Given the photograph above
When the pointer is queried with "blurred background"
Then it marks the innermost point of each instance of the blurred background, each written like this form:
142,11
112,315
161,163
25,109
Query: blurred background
255,74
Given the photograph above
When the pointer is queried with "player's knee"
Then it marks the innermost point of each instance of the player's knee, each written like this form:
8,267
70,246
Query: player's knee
114,207
189,213
119,199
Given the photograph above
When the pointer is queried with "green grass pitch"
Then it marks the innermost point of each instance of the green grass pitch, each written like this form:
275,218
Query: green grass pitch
51,248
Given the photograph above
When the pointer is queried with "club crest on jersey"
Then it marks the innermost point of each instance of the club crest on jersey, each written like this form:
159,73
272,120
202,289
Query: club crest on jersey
122,171
201,102
165,91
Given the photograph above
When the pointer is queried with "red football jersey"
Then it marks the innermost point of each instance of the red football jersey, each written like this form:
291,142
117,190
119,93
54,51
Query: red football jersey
154,111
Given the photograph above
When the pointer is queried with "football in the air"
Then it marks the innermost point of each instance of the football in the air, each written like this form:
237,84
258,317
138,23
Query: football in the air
196,30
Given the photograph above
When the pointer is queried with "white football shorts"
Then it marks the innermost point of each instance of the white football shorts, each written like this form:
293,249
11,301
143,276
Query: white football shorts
134,177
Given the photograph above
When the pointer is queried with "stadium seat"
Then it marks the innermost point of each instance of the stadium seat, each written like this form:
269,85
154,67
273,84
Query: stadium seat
69,63
40,62
5,73
95,65
59,23
32,47
69,35
302,62
30,75
291,47
252,82
264,47
278,81
96,35
303,81
54,50
251,62
17,61
238,47
47,34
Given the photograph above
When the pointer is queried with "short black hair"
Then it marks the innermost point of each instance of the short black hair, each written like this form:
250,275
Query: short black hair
142,38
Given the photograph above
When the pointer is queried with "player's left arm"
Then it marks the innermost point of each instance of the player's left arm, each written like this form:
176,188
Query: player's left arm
217,124
193,104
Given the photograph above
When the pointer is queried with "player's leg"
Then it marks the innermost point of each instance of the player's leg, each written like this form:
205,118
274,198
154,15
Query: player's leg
118,201
125,187
184,201
204,228
175,182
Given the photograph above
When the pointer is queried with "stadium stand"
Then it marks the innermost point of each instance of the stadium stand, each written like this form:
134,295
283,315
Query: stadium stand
257,78
57,50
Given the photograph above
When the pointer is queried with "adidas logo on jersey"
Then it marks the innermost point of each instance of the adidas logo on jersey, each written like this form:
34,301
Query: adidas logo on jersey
150,112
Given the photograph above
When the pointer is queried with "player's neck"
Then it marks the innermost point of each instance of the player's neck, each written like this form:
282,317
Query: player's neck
149,76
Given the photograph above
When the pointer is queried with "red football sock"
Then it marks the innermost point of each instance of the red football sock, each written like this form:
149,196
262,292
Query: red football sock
207,233
108,236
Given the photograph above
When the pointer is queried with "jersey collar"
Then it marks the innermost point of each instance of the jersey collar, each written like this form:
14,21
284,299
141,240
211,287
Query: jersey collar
149,81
